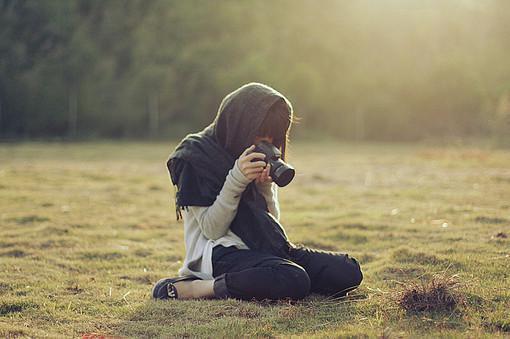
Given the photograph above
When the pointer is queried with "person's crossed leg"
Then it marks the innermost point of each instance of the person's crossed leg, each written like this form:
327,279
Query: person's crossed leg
247,274
331,273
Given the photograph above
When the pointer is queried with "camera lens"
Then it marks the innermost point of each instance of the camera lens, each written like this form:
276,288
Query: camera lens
283,174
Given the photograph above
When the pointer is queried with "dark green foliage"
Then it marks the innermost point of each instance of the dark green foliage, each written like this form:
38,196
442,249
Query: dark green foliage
360,70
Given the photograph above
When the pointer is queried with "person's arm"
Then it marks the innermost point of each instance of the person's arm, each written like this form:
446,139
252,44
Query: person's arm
269,191
215,220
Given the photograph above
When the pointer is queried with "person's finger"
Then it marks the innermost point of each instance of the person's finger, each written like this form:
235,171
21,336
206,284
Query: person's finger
252,176
258,169
268,177
255,155
247,150
255,164
254,170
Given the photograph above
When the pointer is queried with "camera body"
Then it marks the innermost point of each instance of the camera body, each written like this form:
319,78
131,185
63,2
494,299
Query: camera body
281,172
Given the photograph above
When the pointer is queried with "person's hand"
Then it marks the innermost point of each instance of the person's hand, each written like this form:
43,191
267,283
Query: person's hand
251,170
264,176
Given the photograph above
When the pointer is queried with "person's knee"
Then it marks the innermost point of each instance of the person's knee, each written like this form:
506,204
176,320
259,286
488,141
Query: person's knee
356,274
296,281
347,276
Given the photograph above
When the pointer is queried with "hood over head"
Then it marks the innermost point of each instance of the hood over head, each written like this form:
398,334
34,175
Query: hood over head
208,155
241,113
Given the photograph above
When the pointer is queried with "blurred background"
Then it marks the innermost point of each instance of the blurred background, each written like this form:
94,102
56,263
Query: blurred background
394,70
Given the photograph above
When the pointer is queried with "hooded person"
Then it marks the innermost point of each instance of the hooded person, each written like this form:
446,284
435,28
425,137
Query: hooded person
201,161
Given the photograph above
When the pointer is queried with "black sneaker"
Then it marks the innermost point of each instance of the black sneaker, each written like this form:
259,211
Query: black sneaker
165,289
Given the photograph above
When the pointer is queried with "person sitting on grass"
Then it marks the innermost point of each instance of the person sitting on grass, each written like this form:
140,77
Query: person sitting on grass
235,244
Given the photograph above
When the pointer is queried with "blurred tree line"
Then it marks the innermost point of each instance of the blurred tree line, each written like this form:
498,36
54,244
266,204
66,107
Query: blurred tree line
378,70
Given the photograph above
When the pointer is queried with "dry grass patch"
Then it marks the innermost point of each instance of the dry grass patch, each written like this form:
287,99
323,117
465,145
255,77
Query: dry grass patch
439,293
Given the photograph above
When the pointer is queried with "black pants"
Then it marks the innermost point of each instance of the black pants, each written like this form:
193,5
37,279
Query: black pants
247,274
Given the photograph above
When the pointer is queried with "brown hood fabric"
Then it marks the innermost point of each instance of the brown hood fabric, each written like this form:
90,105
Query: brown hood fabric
200,163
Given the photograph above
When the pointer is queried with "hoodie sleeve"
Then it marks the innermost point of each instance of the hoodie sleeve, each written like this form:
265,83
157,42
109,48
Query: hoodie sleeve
269,191
215,220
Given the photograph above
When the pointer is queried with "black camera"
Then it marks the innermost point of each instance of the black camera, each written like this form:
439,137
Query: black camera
281,172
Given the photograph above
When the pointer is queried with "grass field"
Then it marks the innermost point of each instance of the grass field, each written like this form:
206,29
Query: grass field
87,228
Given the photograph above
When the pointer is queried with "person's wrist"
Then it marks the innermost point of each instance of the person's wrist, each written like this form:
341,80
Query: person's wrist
239,175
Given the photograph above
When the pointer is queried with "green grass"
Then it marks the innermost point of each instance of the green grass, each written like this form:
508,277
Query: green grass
86,229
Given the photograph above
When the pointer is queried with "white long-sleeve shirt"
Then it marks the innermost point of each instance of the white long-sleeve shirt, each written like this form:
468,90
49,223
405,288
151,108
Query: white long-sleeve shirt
209,226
